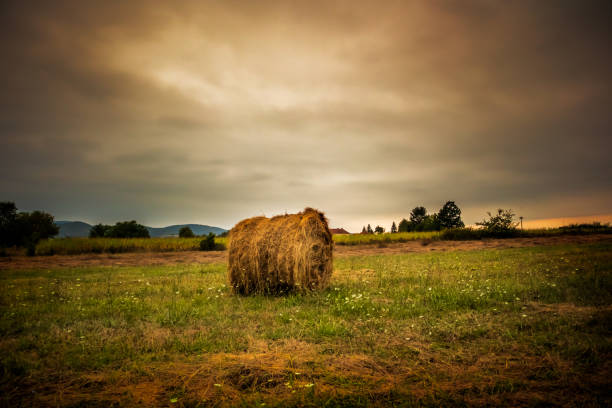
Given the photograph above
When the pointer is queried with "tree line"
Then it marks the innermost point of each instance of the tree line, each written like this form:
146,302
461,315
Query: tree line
448,217
131,229
123,229
24,229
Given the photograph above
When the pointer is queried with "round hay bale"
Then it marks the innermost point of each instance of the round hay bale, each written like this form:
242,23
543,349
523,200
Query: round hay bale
280,254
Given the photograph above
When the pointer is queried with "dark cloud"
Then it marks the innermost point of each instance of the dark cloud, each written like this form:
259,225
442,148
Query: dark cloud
214,111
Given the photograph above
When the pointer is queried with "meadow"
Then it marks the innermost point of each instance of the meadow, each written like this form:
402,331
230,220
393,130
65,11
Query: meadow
514,327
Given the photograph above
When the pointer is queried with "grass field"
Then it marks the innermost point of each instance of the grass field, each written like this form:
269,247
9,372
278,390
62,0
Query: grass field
528,326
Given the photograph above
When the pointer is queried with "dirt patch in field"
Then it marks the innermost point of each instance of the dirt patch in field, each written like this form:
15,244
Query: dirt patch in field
195,257
299,374
125,259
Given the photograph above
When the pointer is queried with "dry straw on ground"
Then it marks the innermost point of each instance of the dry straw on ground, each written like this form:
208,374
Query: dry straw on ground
280,254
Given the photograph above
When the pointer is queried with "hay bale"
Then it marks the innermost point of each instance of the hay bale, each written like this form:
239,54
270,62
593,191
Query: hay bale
280,254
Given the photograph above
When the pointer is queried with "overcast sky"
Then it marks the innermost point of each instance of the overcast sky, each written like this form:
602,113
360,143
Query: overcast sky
210,112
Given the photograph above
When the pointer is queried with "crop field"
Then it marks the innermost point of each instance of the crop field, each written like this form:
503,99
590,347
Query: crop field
360,239
72,246
516,327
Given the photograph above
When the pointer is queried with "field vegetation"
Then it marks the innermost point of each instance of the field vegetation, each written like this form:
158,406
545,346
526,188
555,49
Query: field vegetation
515,327
73,246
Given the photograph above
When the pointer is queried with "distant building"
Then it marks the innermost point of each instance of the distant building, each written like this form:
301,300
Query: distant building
338,231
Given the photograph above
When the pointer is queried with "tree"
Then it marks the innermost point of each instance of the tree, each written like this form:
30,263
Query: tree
393,228
99,231
33,227
404,225
501,223
36,225
363,231
186,232
369,229
450,216
8,218
128,229
24,229
429,223
379,229
417,215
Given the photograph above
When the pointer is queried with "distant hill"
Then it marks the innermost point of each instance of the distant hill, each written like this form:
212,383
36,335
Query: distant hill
77,229
73,229
197,229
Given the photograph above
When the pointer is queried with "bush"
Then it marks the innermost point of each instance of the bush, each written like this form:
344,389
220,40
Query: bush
500,225
186,232
592,228
208,243
462,234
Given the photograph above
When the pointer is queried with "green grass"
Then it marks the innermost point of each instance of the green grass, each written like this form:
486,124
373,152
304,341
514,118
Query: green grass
509,327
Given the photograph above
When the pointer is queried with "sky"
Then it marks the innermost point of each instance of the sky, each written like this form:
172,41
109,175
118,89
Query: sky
213,111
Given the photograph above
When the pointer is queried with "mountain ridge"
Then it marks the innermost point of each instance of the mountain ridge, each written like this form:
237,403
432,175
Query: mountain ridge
78,229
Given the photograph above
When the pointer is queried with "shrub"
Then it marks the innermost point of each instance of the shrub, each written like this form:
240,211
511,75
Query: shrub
208,243
501,224
594,227
462,234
